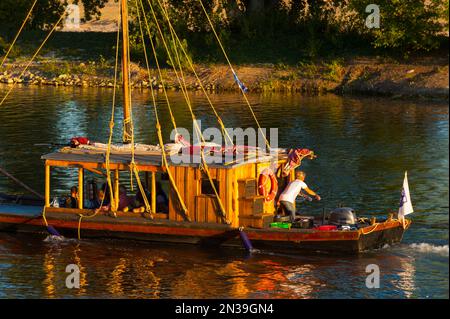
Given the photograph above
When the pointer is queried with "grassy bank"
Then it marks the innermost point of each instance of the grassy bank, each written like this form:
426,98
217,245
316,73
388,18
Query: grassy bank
86,59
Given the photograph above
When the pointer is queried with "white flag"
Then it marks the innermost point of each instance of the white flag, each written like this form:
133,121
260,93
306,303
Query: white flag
405,200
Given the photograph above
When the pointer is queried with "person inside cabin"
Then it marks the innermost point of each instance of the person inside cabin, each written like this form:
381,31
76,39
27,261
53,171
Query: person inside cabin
104,197
92,200
292,190
124,200
139,203
72,200
162,202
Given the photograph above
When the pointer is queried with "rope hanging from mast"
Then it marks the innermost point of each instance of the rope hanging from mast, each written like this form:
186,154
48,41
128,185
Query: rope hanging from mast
172,118
204,165
33,57
242,88
18,33
114,205
128,122
127,118
175,36
158,125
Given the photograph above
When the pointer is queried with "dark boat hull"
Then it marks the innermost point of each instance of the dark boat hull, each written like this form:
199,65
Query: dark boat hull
17,219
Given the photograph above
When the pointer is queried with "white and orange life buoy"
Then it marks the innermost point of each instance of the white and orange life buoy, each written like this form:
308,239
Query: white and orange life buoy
267,176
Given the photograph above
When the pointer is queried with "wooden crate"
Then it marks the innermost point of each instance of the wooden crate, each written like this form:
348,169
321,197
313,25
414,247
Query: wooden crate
253,206
247,188
262,221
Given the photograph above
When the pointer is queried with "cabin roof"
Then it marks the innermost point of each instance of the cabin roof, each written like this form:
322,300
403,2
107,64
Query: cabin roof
99,157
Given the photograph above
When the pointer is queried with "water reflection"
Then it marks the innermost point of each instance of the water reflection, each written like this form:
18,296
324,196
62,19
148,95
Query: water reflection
49,269
117,269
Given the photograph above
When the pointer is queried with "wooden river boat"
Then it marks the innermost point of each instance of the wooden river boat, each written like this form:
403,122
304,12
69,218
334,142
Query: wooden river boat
202,224
209,204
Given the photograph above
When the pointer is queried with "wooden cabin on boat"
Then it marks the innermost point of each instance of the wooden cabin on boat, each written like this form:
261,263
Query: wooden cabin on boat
236,184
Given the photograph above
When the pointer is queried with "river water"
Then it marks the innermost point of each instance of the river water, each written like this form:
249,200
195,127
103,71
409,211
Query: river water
364,145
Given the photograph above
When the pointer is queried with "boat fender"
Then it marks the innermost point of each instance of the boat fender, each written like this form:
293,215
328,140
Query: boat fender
52,231
267,175
245,240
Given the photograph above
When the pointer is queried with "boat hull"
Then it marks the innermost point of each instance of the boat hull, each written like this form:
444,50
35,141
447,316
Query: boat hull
209,234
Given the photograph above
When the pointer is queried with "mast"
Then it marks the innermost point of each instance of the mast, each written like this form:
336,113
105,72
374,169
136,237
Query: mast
127,128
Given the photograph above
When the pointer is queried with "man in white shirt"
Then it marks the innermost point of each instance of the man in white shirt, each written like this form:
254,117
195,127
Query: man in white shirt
292,190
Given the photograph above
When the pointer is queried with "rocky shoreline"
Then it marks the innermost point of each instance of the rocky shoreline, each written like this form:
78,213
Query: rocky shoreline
424,78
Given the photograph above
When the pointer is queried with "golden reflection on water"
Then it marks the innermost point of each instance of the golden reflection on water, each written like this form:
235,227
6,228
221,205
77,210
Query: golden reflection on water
147,283
49,269
83,271
237,279
115,284
139,272
267,283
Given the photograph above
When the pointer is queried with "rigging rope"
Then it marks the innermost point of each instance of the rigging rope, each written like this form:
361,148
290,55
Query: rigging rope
173,33
108,150
158,126
172,118
32,58
133,167
234,73
204,166
18,33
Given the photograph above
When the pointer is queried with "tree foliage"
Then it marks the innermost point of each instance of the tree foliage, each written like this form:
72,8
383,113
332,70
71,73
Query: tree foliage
307,28
44,14
408,24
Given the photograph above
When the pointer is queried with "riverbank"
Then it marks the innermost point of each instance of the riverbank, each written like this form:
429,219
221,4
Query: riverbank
424,77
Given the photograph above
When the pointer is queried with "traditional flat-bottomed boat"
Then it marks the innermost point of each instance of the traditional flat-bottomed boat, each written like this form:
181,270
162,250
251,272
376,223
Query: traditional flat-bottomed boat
211,200
201,222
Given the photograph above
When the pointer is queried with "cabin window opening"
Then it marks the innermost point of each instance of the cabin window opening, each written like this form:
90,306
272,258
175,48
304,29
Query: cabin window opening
162,189
207,188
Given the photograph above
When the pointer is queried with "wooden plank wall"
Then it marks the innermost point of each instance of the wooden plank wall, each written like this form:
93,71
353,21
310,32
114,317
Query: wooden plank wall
203,208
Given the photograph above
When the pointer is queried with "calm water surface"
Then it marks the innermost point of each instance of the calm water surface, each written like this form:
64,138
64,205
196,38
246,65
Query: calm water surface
364,147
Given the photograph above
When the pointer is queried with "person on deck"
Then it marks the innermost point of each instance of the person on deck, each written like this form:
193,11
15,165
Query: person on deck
104,197
72,200
124,200
292,190
162,202
139,203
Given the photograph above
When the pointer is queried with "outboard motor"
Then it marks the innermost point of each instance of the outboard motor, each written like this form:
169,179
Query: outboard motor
342,216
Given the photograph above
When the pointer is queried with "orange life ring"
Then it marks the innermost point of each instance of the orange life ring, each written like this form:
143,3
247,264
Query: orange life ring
267,175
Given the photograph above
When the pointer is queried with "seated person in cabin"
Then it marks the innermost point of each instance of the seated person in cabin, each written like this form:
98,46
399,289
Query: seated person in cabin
162,202
124,200
292,190
92,202
104,197
72,200
139,203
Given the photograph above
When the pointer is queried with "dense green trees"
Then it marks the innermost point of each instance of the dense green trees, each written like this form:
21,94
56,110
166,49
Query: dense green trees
313,27
302,28
408,24
45,13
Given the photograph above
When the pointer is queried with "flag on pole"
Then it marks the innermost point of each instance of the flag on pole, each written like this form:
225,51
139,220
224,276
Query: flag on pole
405,207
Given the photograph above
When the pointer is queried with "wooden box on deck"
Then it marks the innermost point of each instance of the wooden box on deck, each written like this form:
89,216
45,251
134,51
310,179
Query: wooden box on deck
247,188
